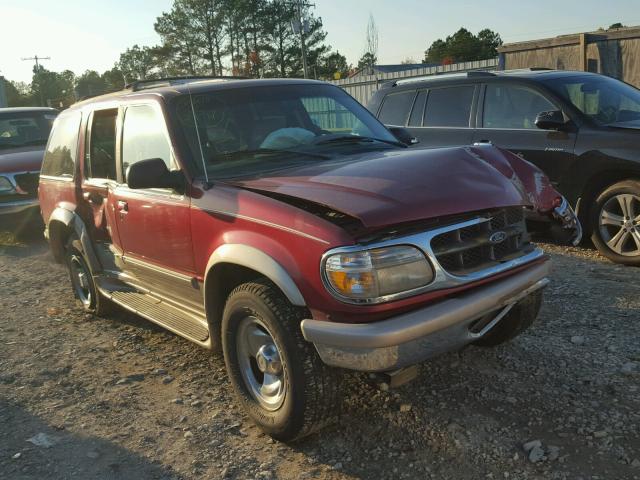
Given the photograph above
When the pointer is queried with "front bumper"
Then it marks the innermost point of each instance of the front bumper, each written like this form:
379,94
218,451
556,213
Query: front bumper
418,335
15,207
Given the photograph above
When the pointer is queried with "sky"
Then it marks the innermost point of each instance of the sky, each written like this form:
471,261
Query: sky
83,34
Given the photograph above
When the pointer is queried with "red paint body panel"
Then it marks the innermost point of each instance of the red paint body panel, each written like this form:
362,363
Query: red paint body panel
154,227
381,196
399,186
56,193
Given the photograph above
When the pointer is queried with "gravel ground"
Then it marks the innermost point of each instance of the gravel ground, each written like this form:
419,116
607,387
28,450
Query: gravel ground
89,397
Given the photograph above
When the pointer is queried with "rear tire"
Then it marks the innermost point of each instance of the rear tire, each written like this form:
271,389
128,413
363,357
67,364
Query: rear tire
615,223
277,375
82,281
519,318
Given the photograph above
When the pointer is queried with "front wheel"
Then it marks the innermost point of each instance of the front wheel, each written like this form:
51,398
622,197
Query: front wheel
278,377
616,223
82,281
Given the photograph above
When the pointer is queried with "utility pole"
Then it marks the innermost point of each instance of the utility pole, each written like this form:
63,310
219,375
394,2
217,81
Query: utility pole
305,68
37,58
299,24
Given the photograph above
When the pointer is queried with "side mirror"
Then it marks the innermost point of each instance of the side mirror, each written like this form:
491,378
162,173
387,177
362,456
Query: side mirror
552,120
403,135
152,173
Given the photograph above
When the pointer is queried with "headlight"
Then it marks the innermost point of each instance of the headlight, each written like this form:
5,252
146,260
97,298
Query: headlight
369,276
5,185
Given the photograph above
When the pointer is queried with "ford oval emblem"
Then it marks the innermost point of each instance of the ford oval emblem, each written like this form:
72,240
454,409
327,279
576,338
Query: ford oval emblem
498,237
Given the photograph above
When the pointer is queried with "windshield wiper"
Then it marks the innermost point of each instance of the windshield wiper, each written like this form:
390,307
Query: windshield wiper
354,139
270,152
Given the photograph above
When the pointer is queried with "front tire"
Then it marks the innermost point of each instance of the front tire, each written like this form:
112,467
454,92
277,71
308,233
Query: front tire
616,223
277,375
82,281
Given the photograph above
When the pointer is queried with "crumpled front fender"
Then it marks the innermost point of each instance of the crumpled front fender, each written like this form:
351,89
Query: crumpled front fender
536,188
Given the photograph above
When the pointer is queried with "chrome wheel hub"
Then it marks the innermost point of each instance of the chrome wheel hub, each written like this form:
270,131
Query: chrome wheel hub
80,277
619,224
260,363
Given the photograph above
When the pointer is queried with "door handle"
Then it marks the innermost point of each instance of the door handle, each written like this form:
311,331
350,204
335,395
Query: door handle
123,207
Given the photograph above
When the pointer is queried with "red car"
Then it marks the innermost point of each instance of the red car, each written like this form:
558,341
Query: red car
279,222
23,135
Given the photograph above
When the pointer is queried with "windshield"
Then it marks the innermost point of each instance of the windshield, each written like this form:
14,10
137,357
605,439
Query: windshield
21,129
250,131
604,100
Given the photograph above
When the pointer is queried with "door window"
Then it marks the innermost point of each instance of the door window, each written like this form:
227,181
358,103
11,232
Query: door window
144,137
102,145
60,156
512,106
396,107
449,107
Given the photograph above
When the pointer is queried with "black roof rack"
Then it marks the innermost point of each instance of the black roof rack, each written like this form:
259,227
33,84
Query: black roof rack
168,81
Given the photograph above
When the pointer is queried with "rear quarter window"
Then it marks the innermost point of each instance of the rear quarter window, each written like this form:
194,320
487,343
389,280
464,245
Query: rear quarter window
60,156
396,107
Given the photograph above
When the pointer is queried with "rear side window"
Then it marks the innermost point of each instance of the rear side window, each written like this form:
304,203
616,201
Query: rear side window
449,107
102,145
144,136
512,106
60,157
395,109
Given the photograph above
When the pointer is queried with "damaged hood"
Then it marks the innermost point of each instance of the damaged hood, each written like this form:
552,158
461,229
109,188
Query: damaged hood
391,187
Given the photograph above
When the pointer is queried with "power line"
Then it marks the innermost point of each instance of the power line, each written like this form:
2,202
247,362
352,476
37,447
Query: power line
37,59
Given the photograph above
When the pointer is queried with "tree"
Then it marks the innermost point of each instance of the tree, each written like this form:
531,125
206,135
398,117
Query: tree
52,88
408,61
489,43
18,94
137,63
332,65
366,63
90,84
281,39
464,46
370,57
177,55
113,79
616,25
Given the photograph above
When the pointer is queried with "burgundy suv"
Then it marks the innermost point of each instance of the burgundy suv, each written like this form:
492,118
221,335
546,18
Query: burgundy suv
279,222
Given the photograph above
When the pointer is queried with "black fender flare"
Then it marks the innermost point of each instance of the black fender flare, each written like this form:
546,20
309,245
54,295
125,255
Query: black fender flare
70,222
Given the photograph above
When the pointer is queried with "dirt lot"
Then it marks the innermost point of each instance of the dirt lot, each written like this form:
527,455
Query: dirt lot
86,397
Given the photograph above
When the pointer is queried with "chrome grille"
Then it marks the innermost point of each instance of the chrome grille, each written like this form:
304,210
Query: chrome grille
469,249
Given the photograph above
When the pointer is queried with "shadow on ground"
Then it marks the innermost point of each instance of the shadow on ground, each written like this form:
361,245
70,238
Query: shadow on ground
69,454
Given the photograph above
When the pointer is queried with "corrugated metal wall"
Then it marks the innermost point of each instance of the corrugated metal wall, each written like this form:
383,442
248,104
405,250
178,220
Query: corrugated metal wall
362,87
